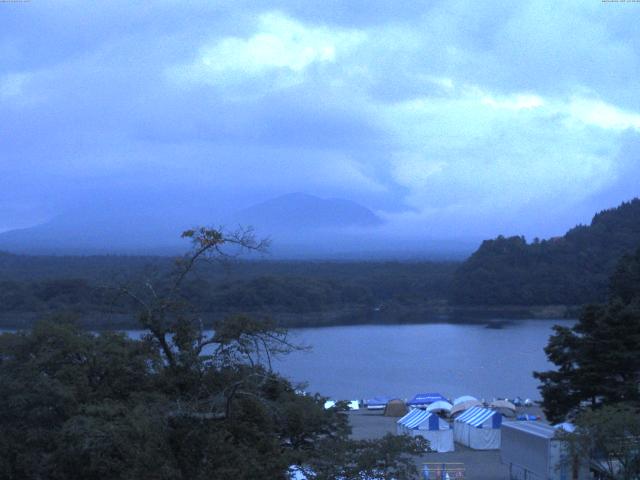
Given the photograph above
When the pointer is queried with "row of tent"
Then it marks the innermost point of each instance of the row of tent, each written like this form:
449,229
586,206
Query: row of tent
420,400
434,402
530,450
477,428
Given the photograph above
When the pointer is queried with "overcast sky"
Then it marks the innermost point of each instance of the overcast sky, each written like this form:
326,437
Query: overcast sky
447,117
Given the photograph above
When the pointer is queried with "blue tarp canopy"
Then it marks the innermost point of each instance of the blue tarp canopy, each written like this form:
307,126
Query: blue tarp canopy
423,399
526,417
377,402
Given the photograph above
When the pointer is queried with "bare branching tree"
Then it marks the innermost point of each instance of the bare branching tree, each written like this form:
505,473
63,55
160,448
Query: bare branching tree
164,311
239,343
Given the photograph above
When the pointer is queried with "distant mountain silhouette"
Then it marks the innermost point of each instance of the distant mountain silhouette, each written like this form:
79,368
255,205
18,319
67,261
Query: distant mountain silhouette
300,226
125,220
296,211
110,231
573,269
296,222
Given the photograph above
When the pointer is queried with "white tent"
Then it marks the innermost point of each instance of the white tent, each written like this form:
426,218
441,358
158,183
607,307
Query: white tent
429,426
464,398
478,428
440,406
458,408
505,407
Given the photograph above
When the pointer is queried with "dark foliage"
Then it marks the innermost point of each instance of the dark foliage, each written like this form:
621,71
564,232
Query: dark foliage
598,360
611,436
569,270
177,404
89,286
83,406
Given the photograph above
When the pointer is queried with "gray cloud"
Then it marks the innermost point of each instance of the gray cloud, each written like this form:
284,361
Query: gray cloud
437,114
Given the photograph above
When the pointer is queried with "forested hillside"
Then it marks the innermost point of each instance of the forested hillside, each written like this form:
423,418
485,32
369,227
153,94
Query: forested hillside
570,270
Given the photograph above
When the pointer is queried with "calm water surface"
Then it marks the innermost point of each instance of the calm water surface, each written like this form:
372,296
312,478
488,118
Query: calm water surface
400,360
362,361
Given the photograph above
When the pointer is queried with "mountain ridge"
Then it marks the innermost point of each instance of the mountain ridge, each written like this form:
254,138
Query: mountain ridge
117,228
295,210
572,269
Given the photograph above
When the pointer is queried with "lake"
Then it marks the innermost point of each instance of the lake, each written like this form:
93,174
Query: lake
363,361
400,360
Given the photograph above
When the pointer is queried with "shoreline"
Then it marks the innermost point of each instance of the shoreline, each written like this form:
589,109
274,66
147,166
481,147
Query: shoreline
494,317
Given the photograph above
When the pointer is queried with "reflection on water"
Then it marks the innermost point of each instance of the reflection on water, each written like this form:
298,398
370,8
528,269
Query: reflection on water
366,360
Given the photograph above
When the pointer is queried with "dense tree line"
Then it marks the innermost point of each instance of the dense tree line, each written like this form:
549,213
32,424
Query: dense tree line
570,270
91,285
290,294
177,404
382,277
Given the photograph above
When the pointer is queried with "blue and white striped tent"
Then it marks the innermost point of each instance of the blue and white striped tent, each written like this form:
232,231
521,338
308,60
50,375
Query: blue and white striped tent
478,428
414,416
428,425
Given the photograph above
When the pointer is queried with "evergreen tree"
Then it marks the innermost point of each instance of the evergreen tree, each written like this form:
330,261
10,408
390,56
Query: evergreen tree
570,270
598,359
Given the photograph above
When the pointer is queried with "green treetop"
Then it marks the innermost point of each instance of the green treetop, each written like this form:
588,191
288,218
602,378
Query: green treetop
598,359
